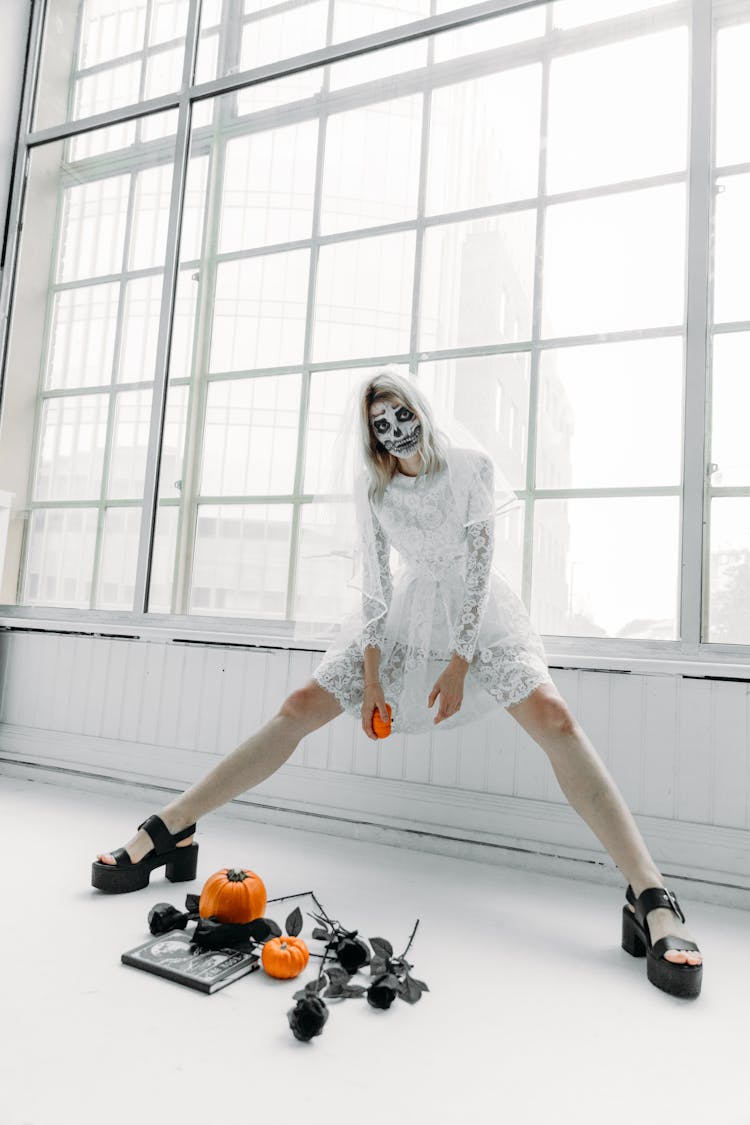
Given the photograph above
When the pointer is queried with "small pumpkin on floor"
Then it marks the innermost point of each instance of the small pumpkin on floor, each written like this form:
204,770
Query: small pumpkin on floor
233,894
285,957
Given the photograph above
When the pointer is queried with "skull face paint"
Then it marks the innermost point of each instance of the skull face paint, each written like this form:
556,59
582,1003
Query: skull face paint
396,428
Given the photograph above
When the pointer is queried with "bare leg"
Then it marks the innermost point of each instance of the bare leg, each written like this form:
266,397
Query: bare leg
255,759
591,790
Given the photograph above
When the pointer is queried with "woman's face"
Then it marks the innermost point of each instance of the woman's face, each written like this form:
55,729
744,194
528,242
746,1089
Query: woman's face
396,427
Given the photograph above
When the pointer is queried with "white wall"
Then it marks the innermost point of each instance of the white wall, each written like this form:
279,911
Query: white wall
15,17
130,714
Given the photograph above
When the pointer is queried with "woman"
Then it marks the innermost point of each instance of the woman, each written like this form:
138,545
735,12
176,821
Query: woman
448,631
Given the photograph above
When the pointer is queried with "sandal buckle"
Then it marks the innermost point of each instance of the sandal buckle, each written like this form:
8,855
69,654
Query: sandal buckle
674,904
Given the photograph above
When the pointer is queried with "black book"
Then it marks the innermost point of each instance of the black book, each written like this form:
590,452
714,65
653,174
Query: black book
174,956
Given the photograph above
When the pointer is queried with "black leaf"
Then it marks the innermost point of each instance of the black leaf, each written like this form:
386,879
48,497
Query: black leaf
294,922
381,946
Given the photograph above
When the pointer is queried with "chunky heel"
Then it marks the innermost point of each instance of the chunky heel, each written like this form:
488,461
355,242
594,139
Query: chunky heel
184,866
632,942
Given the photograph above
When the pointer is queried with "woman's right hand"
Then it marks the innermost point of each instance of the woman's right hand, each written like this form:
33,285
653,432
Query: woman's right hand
373,698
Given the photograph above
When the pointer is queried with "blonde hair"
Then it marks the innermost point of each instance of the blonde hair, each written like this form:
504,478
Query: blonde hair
387,384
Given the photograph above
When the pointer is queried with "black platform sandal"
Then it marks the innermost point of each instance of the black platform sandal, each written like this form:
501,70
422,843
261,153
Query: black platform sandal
124,875
679,979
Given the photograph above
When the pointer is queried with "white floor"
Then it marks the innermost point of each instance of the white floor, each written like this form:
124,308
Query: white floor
534,1015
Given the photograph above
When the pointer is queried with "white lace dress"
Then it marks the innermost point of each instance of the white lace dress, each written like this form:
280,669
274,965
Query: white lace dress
445,597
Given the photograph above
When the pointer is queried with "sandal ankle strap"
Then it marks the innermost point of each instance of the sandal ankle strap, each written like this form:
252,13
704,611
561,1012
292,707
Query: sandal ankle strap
163,839
652,899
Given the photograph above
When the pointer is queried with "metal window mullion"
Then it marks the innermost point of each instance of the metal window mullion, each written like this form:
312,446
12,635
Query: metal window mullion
111,391
72,85
157,406
141,55
187,519
529,508
107,278
312,281
424,148
166,317
694,548
213,148
39,395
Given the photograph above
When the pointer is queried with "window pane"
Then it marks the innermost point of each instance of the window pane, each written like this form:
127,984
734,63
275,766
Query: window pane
267,191
615,263
477,281
140,329
573,13
119,556
173,442
484,139
591,584
329,394
259,311
71,448
729,575
241,560
610,415
93,228
250,439
184,324
322,592
162,562
60,561
489,395
363,296
732,94
371,170
730,448
731,248
127,467
640,128
82,336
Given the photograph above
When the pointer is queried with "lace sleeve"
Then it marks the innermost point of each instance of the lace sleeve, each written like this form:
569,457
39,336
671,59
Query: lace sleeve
481,539
374,613
480,535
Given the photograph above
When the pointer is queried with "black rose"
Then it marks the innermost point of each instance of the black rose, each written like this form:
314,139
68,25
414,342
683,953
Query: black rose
352,953
382,992
164,917
307,1017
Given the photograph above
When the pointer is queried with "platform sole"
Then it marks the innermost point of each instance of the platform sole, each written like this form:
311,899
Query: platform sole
181,865
677,980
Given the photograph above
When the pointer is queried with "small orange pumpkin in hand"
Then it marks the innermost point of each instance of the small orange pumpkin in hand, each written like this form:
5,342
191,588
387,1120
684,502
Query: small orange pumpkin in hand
284,957
382,729
233,895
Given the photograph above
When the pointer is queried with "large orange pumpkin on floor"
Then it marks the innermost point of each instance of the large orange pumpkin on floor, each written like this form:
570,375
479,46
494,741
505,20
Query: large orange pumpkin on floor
234,894
284,957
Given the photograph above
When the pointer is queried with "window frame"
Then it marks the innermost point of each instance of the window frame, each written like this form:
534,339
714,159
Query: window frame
703,19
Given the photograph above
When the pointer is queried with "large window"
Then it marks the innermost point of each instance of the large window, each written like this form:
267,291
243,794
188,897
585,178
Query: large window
231,213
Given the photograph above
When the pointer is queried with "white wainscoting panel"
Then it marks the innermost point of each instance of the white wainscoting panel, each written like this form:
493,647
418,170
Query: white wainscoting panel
143,713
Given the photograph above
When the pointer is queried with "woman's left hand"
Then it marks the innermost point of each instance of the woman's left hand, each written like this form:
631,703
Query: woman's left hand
450,687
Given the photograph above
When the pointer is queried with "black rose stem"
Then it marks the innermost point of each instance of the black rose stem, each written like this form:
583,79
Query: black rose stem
311,1013
389,975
